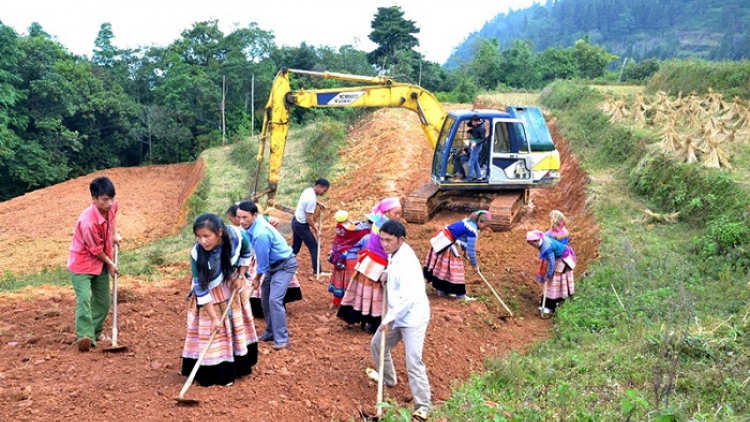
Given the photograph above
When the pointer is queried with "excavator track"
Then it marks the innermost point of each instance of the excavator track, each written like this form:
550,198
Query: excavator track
421,204
506,209
428,199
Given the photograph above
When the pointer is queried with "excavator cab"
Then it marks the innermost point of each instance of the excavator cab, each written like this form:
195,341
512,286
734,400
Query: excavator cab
507,159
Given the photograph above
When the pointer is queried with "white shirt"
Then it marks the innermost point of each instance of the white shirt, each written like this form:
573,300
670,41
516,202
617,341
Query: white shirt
408,305
306,204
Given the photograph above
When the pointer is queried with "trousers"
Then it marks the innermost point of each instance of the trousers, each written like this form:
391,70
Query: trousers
475,172
92,303
272,292
413,338
301,233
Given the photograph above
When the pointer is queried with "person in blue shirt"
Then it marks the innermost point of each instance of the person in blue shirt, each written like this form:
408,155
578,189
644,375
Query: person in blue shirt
275,261
444,267
556,263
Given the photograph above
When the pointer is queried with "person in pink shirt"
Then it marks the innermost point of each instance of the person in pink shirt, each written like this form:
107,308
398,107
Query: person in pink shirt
91,260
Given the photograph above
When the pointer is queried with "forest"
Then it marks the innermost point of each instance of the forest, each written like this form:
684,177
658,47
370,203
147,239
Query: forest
64,115
639,29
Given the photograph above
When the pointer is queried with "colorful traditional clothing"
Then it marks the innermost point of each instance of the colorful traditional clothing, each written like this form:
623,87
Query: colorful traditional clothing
557,229
234,350
346,245
362,302
445,268
556,264
293,292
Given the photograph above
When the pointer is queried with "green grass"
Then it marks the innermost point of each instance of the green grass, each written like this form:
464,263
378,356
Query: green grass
656,331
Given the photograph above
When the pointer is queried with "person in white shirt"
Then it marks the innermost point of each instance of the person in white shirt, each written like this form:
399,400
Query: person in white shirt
407,316
304,228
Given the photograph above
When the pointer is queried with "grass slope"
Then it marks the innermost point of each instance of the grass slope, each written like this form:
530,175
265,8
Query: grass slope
656,330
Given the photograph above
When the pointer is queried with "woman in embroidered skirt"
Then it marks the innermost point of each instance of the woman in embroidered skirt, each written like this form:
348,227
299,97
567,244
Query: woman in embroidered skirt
344,251
556,264
363,300
557,228
293,292
219,260
444,266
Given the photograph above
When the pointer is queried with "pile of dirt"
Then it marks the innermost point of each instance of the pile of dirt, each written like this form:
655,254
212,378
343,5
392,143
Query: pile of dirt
322,376
37,227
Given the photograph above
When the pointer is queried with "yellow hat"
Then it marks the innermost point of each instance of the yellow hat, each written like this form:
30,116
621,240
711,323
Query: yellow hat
341,216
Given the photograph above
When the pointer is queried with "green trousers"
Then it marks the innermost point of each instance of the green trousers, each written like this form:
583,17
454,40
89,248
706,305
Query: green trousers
92,303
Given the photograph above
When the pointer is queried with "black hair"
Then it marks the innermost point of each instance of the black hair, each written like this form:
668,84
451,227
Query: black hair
322,182
232,211
394,228
213,223
247,206
475,117
102,186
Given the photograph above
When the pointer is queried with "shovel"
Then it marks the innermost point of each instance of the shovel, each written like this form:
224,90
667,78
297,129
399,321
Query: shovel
114,347
320,231
381,369
181,398
320,228
510,313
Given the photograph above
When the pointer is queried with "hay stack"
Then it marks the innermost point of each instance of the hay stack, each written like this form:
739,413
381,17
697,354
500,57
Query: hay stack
688,151
715,156
670,139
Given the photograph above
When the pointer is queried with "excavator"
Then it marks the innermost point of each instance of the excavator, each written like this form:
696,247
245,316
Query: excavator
518,151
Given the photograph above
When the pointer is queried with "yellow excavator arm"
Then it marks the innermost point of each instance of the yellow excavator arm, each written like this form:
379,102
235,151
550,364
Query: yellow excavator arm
379,92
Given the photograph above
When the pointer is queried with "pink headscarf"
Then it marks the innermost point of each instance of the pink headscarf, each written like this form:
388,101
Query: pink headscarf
386,205
534,235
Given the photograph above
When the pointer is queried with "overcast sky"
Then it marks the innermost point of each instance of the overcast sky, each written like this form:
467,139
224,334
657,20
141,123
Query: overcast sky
75,23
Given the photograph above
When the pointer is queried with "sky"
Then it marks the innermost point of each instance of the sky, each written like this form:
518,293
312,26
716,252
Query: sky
75,23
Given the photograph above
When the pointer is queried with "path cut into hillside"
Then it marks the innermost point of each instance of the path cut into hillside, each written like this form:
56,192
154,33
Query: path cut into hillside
322,376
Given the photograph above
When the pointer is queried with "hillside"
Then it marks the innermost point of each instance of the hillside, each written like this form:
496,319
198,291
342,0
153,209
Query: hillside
639,29
322,376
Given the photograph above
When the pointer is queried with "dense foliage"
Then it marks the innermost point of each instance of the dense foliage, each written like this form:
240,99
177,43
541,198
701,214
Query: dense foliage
729,78
639,29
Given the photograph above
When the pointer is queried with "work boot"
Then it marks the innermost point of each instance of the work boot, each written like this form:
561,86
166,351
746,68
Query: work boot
84,344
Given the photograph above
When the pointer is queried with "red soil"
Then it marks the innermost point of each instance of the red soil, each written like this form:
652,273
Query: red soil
38,226
322,376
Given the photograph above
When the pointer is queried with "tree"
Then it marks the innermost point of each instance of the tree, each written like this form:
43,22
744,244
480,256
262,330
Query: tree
485,65
516,65
591,61
554,63
105,52
391,32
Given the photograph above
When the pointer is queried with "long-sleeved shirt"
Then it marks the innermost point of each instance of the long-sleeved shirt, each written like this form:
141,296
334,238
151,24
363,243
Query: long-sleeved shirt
269,245
408,305
478,132
92,234
373,242
240,256
465,232
550,250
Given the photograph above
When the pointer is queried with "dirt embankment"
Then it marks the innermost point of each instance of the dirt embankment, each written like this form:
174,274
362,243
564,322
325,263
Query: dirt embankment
322,376
37,227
